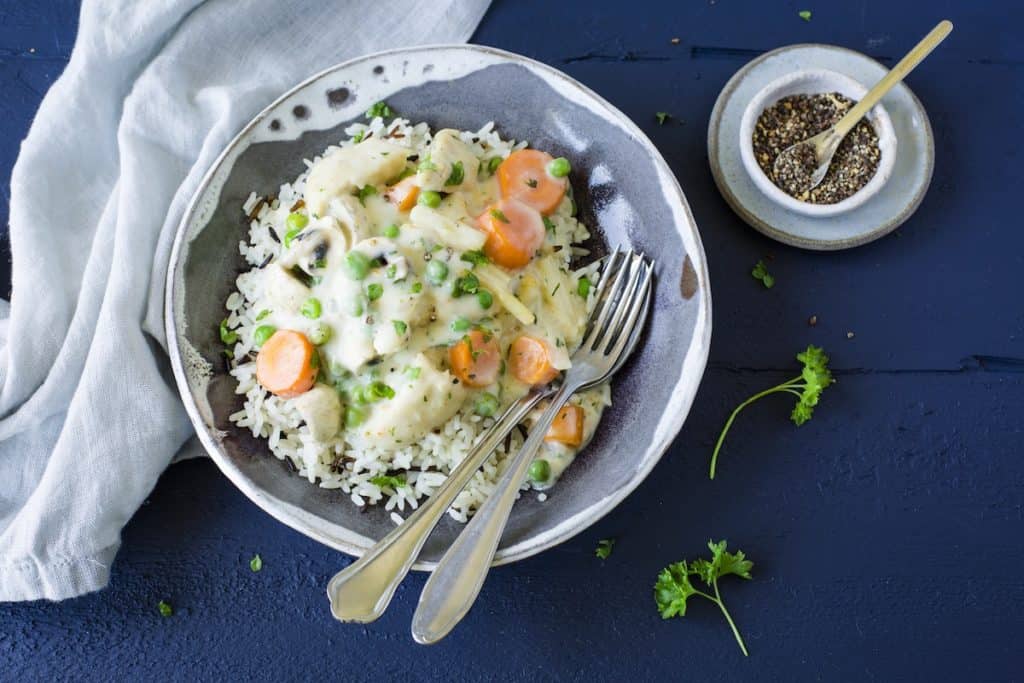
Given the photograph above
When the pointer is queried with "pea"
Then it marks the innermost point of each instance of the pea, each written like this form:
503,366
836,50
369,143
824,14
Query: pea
540,471
357,264
320,334
430,198
296,221
559,167
437,271
583,287
262,333
484,298
460,325
486,404
374,291
354,415
391,231
311,308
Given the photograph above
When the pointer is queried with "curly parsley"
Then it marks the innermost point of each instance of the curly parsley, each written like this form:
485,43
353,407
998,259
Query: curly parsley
674,586
807,387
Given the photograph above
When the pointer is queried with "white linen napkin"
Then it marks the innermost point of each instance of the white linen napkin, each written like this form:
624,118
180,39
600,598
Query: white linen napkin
89,415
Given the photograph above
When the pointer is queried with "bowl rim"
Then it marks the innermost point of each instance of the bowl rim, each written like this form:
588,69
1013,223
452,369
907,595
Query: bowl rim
770,93
691,371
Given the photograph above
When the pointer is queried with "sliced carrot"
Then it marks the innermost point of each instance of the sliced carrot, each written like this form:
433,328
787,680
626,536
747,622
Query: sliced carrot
475,359
285,365
567,427
515,231
529,360
524,176
403,194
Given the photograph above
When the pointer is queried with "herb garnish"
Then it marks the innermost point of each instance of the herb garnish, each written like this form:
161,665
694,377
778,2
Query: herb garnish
380,109
227,336
805,14
426,164
604,548
456,176
662,117
548,224
760,272
364,192
476,257
165,608
674,586
807,387
532,182
388,481
498,214
256,563
400,327
358,137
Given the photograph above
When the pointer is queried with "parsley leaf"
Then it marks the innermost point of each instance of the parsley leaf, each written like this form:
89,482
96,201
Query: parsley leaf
256,563
805,14
604,548
807,387
380,109
673,587
364,192
500,215
456,176
165,608
358,137
662,117
760,272
476,257
387,481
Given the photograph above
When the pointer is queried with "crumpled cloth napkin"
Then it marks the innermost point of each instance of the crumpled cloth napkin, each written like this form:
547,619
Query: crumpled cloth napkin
89,414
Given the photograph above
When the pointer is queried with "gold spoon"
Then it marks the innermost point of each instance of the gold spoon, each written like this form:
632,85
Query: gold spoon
824,144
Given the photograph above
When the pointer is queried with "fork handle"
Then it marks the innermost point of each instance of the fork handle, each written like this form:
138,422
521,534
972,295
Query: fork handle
361,592
453,586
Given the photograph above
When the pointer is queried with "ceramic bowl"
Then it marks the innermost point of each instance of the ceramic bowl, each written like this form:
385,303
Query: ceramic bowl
809,82
624,190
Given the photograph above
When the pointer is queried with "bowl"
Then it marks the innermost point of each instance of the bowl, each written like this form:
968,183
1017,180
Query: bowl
809,82
622,185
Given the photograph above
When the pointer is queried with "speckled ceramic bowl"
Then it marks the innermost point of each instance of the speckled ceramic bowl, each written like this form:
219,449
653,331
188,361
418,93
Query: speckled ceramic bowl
624,189
810,82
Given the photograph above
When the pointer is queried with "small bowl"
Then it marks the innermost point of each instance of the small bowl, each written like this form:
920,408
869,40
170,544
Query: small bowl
810,82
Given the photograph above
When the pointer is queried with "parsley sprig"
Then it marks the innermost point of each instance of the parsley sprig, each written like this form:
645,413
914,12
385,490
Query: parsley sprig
674,586
807,387
760,272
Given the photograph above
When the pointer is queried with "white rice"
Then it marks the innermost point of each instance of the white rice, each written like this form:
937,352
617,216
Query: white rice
337,465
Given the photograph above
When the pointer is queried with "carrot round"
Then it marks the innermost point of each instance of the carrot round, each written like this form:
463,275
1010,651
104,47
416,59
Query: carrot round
567,427
475,359
285,365
403,194
524,176
515,231
529,359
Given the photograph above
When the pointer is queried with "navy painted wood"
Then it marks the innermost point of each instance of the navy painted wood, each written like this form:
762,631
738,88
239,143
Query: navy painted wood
886,532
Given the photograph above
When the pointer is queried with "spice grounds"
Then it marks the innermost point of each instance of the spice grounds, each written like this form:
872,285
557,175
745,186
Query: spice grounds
795,118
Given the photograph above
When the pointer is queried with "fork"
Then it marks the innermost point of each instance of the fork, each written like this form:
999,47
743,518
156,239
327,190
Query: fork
456,581
362,591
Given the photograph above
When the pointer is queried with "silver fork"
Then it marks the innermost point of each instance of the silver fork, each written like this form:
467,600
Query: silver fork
454,585
362,591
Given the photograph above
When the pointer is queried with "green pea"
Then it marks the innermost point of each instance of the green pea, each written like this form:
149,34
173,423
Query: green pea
296,221
357,264
484,298
492,164
311,308
583,287
354,415
437,271
486,404
559,167
391,231
262,333
320,334
227,336
540,471
358,306
460,325
430,198
374,291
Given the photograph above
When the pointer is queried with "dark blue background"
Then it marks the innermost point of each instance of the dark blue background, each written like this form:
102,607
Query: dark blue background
887,532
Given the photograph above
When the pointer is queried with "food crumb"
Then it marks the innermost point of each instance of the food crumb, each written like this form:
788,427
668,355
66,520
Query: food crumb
542,497
674,41
812,321
849,335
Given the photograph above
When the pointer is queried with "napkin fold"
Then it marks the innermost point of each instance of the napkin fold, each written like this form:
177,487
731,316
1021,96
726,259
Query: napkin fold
89,414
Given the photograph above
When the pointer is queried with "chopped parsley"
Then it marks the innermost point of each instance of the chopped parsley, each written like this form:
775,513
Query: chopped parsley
662,117
476,257
380,109
548,224
377,390
804,14
497,213
760,272
604,548
358,137
427,165
364,192
256,563
456,176
374,291
412,372
555,290
165,608
417,287
388,481
227,336
531,182
400,327
263,314
465,284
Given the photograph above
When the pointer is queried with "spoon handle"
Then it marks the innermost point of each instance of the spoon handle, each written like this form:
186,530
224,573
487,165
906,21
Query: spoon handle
361,592
895,75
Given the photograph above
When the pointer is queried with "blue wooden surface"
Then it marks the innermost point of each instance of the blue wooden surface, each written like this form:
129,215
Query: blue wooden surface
887,532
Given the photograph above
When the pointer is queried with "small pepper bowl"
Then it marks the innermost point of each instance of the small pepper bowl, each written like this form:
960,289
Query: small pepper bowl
810,82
